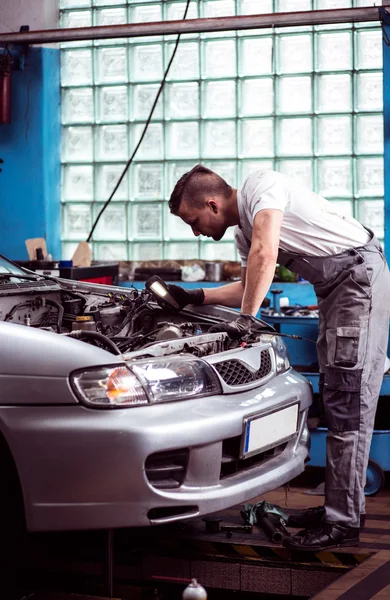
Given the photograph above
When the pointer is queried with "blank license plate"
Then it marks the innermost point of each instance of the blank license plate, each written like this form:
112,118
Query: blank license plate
262,433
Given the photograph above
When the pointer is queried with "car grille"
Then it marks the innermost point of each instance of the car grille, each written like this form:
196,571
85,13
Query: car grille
167,470
234,372
231,463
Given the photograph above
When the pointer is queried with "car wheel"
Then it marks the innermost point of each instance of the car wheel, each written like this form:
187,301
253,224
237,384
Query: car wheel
12,527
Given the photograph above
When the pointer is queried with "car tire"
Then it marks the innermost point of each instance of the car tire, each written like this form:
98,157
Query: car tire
12,527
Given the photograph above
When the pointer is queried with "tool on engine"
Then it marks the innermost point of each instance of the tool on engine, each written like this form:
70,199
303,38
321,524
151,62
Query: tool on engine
160,292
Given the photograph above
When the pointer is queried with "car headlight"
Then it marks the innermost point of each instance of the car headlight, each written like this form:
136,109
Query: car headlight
109,387
282,360
176,379
146,382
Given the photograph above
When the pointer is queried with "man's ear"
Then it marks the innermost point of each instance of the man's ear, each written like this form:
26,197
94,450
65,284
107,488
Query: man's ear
213,205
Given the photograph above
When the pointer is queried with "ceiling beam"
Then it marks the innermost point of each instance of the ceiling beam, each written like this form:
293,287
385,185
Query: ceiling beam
133,30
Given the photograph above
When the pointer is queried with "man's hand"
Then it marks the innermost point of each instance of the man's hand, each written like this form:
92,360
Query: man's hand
238,328
184,297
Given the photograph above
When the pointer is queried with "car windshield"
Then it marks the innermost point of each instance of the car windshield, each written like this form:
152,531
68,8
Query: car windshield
8,269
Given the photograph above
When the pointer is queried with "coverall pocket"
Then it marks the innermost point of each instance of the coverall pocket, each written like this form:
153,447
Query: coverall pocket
360,280
347,346
341,398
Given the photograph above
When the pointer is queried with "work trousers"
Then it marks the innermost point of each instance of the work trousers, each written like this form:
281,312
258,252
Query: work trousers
353,292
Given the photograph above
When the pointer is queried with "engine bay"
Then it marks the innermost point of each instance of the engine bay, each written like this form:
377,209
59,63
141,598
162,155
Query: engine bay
120,320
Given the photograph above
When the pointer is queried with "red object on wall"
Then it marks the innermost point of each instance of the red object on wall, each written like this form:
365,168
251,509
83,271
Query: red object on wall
5,98
105,280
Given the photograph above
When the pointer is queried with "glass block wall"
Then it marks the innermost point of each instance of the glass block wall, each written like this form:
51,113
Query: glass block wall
306,101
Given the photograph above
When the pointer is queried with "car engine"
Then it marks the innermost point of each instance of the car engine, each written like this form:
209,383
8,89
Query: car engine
120,320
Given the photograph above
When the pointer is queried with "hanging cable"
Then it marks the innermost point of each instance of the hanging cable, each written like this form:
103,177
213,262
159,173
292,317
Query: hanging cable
143,132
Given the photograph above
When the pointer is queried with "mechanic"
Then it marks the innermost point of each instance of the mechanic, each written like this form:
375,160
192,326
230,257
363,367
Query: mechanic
278,220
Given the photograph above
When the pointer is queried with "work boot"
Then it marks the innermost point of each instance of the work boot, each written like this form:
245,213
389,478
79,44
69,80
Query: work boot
310,518
326,536
313,517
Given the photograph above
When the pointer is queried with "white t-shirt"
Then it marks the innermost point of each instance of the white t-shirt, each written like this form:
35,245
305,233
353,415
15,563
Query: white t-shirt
311,225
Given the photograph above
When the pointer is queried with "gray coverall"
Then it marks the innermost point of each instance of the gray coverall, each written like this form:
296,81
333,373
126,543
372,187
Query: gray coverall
353,291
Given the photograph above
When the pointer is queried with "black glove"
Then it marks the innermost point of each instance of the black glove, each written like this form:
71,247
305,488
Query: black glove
184,297
238,328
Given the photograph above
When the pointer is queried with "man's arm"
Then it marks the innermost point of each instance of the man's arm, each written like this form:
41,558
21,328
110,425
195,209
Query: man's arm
227,295
262,259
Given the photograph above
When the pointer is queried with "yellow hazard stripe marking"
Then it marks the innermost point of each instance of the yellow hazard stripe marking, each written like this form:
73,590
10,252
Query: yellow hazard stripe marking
361,557
206,547
246,551
255,552
282,553
329,558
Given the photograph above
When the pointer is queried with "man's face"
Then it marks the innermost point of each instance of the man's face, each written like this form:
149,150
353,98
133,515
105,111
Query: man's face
207,220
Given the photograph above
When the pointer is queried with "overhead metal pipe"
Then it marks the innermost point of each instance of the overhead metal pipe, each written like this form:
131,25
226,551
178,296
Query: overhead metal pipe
291,19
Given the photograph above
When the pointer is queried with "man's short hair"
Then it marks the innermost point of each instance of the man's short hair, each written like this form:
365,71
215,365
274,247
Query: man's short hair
195,185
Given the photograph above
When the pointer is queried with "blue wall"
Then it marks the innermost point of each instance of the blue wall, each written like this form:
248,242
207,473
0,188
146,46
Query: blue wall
386,132
30,148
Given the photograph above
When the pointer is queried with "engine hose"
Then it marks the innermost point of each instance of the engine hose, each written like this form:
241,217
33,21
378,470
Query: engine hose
60,309
95,335
137,313
15,308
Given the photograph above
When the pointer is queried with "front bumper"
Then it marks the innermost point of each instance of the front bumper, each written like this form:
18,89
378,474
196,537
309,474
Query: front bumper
82,468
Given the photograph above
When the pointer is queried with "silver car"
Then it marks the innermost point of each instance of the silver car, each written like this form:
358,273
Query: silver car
118,411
